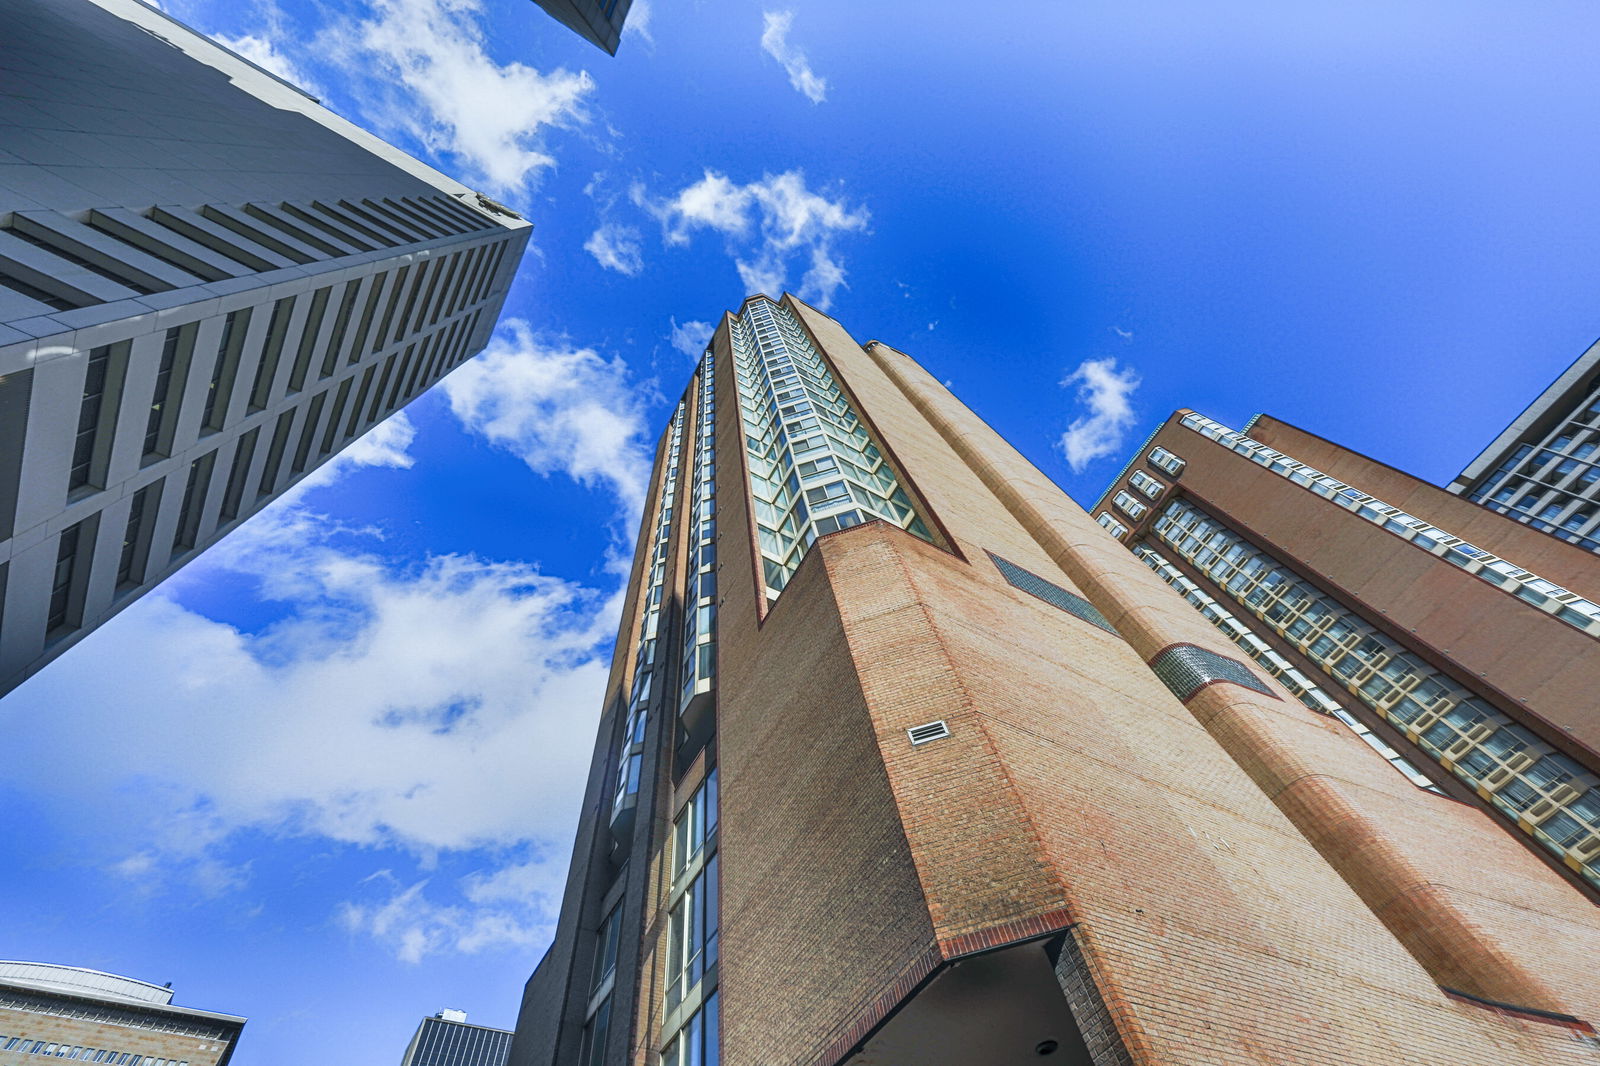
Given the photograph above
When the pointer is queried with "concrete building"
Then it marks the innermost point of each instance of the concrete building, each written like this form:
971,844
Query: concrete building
597,21
67,1012
1544,469
1458,642
447,1040
903,759
209,285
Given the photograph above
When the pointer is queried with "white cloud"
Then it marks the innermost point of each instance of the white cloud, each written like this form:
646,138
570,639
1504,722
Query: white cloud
514,906
423,66
264,52
639,20
767,224
560,409
385,444
1105,391
386,706
691,337
616,247
775,42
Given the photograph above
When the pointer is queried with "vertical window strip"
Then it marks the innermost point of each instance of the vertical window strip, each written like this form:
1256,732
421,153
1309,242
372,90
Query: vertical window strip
630,757
814,468
341,325
134,556
308,338
390,307
700,598
308,433
374,294
332,432
90,411
65,612
171,371
243,454
271,351
275,450
192,507
224,368
361,400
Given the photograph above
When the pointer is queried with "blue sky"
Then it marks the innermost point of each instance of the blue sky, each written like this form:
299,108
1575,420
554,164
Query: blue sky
327,777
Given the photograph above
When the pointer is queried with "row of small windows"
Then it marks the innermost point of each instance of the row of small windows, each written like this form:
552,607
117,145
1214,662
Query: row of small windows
1549,597
58,263
1150,486
110,1015
1129,505
1304,689
79,1053
1549,795
75,545
107,366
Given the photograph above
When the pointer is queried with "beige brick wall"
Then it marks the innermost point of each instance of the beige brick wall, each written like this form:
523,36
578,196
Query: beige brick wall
101,1035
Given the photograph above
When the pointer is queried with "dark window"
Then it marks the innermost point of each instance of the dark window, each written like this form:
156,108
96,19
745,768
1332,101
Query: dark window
280,441
267,368
168,391
135,552
233,494
308,432
225,368
66,613
89,412
193,505
308,339
341,325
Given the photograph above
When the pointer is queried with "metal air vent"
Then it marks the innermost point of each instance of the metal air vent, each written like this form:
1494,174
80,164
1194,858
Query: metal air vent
922,734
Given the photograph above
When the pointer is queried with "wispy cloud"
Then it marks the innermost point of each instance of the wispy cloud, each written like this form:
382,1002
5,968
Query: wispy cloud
768,225
263,49
560,408
513,906
639,20
1105,392
424,67
775,42
691,337
616,247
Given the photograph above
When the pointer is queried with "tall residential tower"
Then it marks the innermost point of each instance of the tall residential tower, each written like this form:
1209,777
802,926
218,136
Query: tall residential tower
904,759
209,285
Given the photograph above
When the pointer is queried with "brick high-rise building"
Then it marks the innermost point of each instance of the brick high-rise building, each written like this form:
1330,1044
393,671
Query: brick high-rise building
1460,643
209,285
903,759
68,1012
1544,468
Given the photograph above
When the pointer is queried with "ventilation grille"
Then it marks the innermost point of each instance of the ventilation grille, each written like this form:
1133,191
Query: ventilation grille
1186,669
1053,594
922,734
